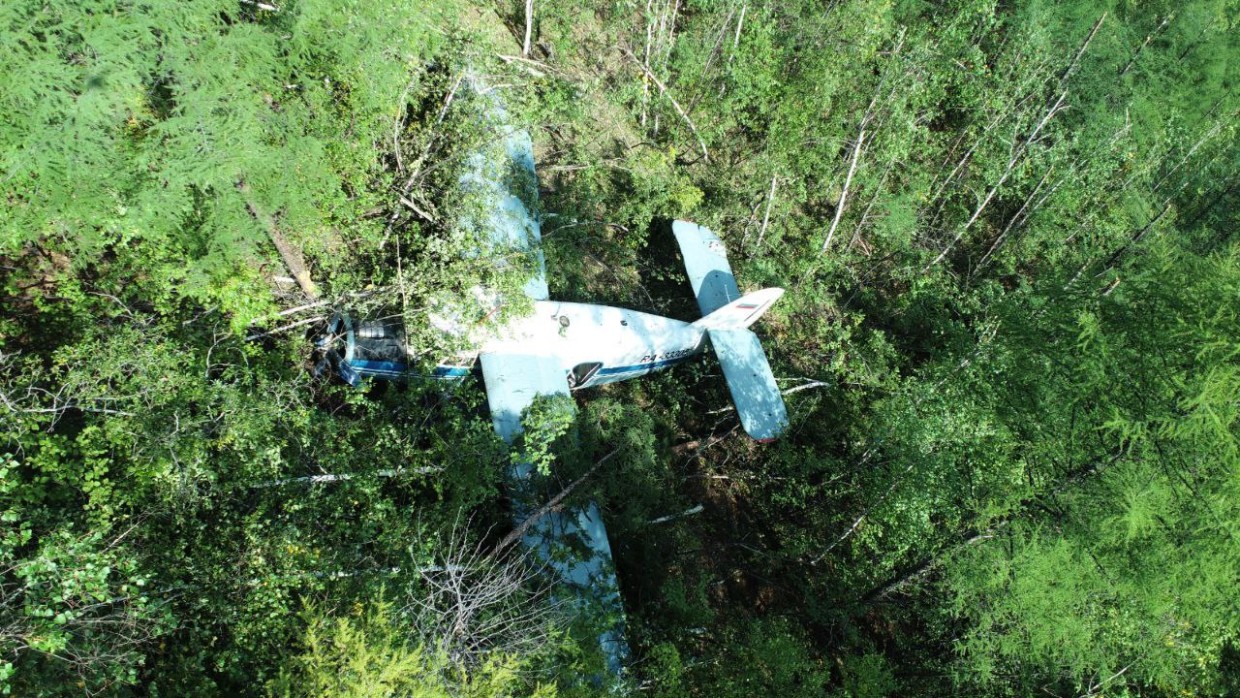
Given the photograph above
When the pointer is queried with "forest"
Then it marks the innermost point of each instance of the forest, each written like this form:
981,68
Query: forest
1009,347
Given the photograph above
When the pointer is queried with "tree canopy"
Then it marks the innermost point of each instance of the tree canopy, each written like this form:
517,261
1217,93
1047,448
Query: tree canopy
1008,346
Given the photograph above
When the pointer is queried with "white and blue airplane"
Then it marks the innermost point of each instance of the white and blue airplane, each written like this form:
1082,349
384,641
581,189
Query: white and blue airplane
562,347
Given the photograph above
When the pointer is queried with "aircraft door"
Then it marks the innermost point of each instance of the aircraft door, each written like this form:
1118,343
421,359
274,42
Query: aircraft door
582,374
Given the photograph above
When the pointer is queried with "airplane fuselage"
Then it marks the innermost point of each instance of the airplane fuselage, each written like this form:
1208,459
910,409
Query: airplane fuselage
599,344
594,344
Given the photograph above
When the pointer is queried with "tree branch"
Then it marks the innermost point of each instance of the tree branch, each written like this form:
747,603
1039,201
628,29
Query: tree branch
679,110
551,505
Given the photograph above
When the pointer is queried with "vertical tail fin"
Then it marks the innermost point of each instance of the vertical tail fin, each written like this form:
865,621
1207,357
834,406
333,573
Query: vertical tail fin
741,313
725,317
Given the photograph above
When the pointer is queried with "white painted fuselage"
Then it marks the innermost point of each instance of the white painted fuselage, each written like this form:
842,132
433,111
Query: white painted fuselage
594,344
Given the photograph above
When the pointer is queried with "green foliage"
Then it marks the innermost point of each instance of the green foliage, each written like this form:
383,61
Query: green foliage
764,658
135,123
867,676
366,654
1011,373
975,319
545,422
667,669
76,612
1132,583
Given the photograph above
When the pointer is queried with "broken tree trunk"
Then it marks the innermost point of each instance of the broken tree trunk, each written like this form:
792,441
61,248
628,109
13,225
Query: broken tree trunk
288,252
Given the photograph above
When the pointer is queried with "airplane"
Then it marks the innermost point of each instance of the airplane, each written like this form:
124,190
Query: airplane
562,347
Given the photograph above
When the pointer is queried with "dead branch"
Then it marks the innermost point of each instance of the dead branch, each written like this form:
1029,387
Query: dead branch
527,63
407,202
475,602
672,517
267,7
330,478
805,386
286,328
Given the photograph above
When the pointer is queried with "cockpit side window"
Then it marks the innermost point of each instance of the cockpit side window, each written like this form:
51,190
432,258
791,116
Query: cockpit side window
582,373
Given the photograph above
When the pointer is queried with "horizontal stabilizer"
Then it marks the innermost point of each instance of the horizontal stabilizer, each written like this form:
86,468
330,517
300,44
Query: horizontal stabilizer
742,313
706,262
757,398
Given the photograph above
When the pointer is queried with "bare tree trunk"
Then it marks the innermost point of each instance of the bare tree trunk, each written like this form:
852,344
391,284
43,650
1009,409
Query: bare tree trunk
866,214
1017,153
1214,202
1209,134
839,209
964,159
736,42
529,28
646,63
1136,239
658,36
1076,60
921,569
930,563
667,45
767,218
1115,257
289,253
1023,146
1012,222
714,52
1150,37
679,110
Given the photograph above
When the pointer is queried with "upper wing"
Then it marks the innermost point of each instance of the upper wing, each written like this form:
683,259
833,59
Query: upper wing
500,181
573,542
706,261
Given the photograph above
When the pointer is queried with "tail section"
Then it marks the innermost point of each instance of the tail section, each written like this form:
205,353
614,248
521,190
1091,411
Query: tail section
741,313
725,317
754,392
706,261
